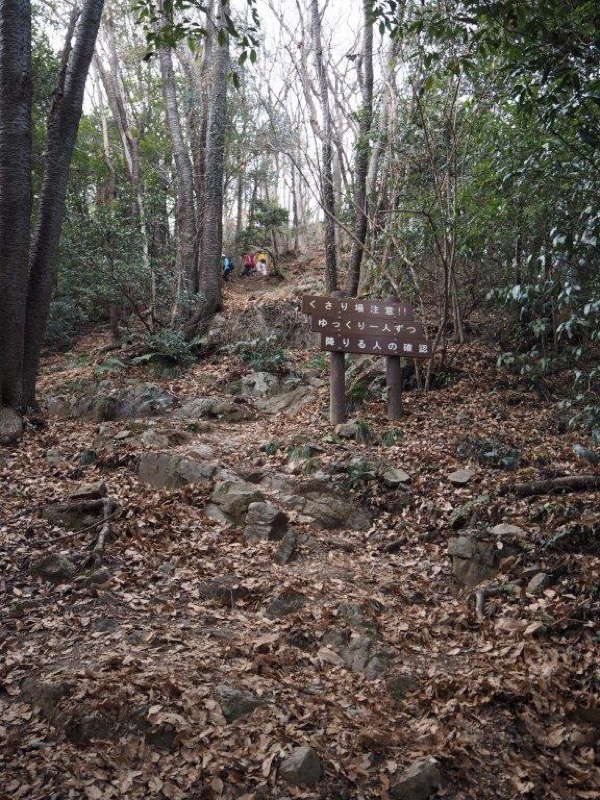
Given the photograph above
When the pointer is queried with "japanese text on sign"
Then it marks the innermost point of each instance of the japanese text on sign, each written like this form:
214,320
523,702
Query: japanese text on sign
352,308
375,345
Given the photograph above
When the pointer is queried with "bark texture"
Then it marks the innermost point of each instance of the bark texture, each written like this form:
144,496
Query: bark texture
62,134
15,191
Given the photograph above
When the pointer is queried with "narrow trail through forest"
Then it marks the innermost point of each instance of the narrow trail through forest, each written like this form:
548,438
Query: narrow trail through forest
280,610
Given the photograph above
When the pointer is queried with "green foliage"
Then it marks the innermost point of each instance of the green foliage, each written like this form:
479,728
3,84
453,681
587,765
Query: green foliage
263,355
360,471
171,346
364,431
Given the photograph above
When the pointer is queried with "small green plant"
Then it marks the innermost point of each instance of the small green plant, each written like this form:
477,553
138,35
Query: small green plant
168,345
270,448
364,432
360,471
110,366
391,437
263,355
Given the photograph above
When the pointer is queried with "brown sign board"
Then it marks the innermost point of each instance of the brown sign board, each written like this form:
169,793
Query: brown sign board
351,308
409,330
376,345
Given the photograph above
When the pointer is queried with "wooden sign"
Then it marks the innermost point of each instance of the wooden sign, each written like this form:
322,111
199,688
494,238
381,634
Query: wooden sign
376,345
350,308
378,327
404,331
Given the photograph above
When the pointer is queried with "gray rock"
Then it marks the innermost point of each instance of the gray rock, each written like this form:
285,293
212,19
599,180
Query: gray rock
224,591
199,408
287,547
59,406
302,768
538,583
347,430
463,514
330,511
418,782
259,384
54,567
476,555
11,426
400,684
235,703
169,471
354,617
286,403
264,522
286,604
364,655
234,497
394,477
461,477
46,694
504,529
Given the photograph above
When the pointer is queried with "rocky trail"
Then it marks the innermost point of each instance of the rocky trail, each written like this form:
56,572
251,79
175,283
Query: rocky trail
210,593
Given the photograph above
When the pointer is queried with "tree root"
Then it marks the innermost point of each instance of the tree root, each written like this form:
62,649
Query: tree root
572,483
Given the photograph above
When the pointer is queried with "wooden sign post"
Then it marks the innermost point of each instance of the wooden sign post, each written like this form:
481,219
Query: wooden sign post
379,327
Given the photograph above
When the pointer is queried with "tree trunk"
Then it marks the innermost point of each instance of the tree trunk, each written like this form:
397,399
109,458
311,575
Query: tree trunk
209,267
327,191
63,123
15,191
361,165
185,211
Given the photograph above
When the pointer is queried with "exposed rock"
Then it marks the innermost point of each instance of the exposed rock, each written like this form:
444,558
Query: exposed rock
225,590
168,471
235,703
286,402
400,684
463,514
11,426
89,491
394,477
234,497
46,694
163,439
54,567
286,549
356,619
418,782
505,529
59,406
460,477
81,729
302,768
347,430
538,583
97,408
259,384
87,457
264,521
476,556
363,654
288,603
329,511
198,408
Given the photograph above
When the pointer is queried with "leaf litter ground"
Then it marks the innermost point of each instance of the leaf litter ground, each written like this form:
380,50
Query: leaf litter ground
108,689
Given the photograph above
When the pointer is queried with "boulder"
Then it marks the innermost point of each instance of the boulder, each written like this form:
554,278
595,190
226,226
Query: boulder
394,477
301,768
287,547
329,511
233,498
538,583
476,556
259,384
418,782
460,477
264,522
54,567
235,703
199,408
168,471
288,403
11,426
363,654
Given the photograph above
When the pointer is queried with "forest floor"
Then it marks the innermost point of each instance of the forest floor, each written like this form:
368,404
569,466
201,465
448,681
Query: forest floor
182,661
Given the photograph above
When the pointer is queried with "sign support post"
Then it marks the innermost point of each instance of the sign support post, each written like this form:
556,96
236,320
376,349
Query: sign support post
393,369
337,382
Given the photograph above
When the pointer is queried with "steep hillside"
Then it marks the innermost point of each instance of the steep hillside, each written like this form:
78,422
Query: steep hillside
210,593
